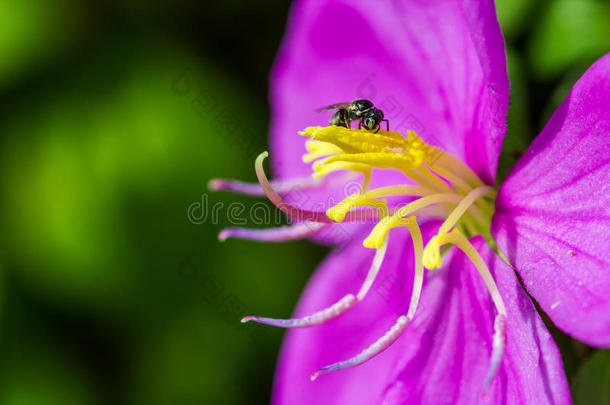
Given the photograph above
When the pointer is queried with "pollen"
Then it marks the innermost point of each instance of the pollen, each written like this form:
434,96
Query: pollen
441,180
385,149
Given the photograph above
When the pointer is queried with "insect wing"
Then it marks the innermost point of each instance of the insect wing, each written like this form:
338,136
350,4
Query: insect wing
333,107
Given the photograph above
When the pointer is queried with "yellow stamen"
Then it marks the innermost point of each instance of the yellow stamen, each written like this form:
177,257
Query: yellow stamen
441,178
356,141
427,200
456,238
418,247
448,163
322,170
483,191
432,252
382,160
319,149
338,212
375,238
398,190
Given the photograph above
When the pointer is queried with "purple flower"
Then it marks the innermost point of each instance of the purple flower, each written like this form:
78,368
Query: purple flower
463,331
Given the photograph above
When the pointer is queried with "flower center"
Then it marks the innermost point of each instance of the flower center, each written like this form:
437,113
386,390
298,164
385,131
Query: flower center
439,183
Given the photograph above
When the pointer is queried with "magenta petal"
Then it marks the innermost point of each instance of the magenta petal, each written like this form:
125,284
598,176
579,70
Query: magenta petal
441,358
445,356
437,67
553,212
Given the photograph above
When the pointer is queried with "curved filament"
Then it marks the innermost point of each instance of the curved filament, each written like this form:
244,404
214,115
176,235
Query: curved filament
295,212
283,233
338,308
401,323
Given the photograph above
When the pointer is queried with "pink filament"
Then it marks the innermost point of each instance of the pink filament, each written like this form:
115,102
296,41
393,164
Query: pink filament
255,189
497,349
338,308
300,214
373,350
280,234
317,318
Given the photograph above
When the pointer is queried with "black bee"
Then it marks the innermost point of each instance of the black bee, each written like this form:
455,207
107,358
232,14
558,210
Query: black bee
363,111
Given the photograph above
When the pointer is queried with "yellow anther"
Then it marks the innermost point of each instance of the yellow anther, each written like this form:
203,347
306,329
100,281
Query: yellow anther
319,149
415,141
417,156
384,150
375,238
432,253
465,205
318,165
355,140
321,169
338,212
456,238
382,160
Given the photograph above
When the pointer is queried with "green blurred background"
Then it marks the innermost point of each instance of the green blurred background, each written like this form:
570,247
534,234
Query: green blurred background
108,292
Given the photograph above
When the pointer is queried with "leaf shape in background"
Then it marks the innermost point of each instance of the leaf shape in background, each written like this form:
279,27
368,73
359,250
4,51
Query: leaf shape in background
40,374
97,171
571,32
116,132
512,15
34,32
591,385
518,135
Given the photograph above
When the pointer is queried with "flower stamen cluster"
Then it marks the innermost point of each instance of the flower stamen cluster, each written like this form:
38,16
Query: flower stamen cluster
438,184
